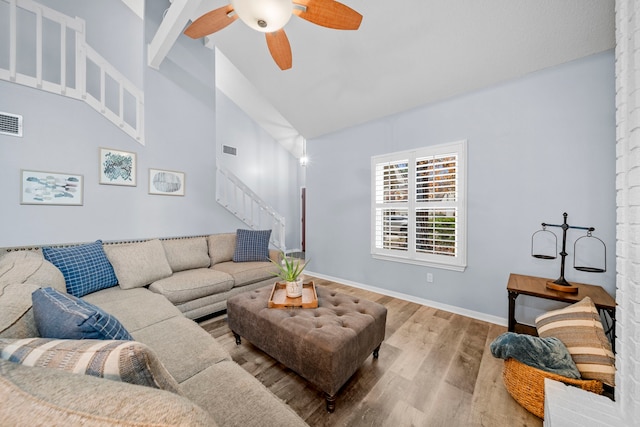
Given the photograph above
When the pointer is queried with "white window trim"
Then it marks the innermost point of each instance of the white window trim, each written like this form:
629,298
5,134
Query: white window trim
455,263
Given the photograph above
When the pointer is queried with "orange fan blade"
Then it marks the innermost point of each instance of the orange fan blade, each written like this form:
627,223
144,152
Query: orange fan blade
211,22
280,48
329,13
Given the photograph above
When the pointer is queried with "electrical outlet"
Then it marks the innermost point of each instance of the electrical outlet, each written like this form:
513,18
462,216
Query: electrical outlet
429,277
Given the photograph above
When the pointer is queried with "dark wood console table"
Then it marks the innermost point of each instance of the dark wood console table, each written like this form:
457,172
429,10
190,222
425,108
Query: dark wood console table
537,287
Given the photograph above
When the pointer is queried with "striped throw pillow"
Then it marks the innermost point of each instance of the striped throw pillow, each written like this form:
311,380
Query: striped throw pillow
579,327
124,361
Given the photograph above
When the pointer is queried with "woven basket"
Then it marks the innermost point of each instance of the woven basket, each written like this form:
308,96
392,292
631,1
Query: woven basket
526,385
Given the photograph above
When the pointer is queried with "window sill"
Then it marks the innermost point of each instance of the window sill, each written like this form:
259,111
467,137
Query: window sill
432,264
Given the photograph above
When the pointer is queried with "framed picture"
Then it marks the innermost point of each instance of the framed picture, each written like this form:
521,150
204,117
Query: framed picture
168,183
50,188
117,167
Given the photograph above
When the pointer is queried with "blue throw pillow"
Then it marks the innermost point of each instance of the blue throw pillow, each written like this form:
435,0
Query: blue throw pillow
64,316
85,268
252,245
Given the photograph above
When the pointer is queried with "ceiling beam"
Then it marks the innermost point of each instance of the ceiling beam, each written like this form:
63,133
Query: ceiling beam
172,25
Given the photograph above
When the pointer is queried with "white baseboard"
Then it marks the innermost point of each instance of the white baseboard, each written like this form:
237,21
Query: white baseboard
502,321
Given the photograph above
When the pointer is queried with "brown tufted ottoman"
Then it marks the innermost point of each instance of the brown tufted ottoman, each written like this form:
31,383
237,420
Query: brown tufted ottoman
324,345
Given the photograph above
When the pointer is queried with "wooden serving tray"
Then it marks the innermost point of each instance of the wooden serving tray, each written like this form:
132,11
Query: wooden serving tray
279,298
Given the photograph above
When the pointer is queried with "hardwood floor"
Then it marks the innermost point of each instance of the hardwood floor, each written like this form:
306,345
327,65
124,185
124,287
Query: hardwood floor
434,369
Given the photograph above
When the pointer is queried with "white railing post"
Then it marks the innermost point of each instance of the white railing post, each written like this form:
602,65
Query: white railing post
63,59
81,62
13,35
39,48
121,103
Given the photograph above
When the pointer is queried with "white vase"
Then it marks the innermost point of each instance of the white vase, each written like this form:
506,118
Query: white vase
294,289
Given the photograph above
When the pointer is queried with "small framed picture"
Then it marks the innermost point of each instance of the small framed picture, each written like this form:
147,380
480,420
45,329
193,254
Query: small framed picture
117,167
51,188
165,182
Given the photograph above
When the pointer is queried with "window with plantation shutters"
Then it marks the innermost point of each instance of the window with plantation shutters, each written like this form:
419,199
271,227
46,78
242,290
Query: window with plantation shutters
418,206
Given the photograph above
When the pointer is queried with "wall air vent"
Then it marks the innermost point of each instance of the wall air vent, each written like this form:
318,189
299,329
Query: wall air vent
229,150
10,124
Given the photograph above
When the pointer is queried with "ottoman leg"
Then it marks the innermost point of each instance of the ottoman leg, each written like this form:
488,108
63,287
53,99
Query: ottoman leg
376,351
237,337
331,402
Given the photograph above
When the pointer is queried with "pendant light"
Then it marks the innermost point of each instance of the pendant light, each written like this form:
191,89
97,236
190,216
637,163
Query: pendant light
266,16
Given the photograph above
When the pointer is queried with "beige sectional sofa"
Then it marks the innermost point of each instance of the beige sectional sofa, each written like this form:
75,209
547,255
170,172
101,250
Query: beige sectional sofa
188,377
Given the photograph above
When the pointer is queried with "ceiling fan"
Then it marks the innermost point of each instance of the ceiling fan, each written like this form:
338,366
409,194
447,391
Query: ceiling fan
270,16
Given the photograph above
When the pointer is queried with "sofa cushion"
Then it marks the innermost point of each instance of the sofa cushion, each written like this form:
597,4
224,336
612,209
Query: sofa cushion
221,247
234,397
16,313
41,396
163,328
246,273
192,284
187,253
135,308
198,349
138,264
252,245
125,361
579,327
30,267
64,316
85,268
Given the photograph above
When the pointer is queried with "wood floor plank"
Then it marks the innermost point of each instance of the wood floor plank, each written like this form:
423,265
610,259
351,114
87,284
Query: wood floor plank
452,404
492,403
434,369
463,371
404,414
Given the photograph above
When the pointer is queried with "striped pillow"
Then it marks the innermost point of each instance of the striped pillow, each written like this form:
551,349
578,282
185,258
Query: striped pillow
578,326
124,361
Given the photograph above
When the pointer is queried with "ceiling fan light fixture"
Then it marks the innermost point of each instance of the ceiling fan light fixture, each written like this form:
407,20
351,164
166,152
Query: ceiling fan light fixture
266,16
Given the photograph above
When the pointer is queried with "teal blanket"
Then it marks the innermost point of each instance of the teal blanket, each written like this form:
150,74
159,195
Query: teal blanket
547,354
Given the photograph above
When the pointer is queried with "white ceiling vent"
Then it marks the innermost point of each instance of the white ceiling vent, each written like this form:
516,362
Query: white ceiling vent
229,150
10,124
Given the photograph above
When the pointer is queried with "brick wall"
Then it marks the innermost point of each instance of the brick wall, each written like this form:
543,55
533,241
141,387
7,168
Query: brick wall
628,207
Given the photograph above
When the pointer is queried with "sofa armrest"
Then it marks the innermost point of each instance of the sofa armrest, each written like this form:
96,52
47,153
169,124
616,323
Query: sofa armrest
275,255
51,397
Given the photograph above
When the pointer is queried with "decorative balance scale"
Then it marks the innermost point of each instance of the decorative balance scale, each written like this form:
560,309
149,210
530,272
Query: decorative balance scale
544,246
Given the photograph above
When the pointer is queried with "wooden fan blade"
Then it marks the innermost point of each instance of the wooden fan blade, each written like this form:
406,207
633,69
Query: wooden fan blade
211,22
280,48
329,13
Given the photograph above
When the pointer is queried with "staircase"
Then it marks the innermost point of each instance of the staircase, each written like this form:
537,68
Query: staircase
238,199
81,73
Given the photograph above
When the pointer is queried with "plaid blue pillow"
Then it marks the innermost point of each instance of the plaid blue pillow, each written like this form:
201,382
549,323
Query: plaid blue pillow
252,245
64,316
85,268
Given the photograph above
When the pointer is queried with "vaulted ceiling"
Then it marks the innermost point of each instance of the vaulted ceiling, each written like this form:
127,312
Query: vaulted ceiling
406,53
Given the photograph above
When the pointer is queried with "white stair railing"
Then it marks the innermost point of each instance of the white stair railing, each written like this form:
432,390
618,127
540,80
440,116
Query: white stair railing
112,94
246,205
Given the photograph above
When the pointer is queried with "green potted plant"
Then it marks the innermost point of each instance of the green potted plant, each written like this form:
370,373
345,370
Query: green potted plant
289,270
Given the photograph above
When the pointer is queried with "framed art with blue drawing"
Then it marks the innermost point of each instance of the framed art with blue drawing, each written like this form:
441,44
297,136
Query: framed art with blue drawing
51,188
165,182
117,167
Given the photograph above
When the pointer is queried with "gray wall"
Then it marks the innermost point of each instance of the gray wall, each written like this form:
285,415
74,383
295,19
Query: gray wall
537,147
64,135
